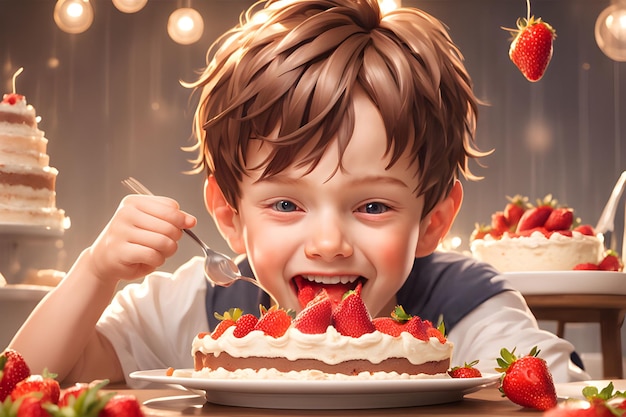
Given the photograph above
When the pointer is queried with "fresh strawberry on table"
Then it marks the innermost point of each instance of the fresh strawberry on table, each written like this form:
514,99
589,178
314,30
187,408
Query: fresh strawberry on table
526,381
597,403
47,388
531,48
121,405
468,370
13,369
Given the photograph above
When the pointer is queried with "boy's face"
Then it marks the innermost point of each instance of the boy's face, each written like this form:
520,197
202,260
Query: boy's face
333,228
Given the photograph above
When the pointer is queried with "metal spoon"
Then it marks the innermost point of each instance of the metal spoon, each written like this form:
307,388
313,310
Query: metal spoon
218,268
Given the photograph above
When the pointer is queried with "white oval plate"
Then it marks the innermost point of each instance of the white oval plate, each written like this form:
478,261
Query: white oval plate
568,282
302,394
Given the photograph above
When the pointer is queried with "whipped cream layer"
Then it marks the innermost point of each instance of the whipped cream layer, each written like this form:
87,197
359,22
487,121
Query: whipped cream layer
308,375
330,347
538,252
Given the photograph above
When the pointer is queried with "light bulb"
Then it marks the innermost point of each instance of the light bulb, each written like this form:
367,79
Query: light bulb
185,26
73,16
129,6
610,31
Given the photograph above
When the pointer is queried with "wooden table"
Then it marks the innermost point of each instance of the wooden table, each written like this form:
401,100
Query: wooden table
608,310
171,402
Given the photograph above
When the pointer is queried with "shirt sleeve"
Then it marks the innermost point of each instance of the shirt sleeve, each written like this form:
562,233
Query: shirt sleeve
505,321
151,324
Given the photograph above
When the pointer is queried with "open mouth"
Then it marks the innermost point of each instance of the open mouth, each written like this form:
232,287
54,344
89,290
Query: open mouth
308,286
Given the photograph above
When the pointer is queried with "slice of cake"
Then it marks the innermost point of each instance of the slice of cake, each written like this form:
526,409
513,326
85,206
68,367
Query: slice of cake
541,237
324,341
27,182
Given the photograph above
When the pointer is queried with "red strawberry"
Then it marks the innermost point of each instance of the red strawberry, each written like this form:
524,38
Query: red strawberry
121,405
45,385
514,210
480,231
531,48
499,223
395,324
560,218
228,319
31,406
12,98
533,218
585,229
436,333
598,404
13,369
305,295
388,325
316,316
418,328
611,262
351,317
244,325
274,322
69,394
587,266
468,370
527,380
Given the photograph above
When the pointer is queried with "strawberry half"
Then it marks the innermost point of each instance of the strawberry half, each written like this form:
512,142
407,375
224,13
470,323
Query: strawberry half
351,317
526,381
316,316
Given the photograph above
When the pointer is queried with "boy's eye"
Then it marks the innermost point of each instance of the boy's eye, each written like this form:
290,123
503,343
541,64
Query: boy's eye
285,206
373,208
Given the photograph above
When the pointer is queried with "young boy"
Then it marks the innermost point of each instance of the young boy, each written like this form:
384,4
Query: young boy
332,137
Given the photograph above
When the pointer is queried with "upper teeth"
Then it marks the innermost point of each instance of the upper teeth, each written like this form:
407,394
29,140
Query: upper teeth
338,279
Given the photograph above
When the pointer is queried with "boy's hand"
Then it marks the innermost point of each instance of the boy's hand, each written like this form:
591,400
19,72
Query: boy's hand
141,235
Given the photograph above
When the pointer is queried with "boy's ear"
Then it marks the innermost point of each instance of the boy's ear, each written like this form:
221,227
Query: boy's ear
226,218
436,224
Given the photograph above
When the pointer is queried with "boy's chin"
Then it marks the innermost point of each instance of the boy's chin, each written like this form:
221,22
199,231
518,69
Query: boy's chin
307,290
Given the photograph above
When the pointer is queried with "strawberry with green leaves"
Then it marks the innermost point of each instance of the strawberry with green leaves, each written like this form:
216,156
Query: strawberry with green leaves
13,369
526,381
46,386
351,317
531,48
274,322
514,210
597,403
468,370
228,319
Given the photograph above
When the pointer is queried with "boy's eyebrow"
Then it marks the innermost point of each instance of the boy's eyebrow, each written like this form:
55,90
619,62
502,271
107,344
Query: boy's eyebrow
369,179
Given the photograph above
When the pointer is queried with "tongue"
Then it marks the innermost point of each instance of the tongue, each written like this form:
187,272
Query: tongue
307,290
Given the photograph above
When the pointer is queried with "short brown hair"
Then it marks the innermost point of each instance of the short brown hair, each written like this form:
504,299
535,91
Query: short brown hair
296,71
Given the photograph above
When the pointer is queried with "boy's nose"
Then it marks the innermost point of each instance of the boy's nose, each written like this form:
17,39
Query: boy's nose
328,241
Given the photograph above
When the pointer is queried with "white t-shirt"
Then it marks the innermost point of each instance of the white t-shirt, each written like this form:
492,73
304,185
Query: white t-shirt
152,324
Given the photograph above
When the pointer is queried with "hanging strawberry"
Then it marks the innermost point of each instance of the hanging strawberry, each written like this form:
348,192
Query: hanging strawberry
531,48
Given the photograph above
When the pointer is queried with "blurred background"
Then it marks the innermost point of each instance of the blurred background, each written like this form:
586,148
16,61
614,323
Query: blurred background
112,106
